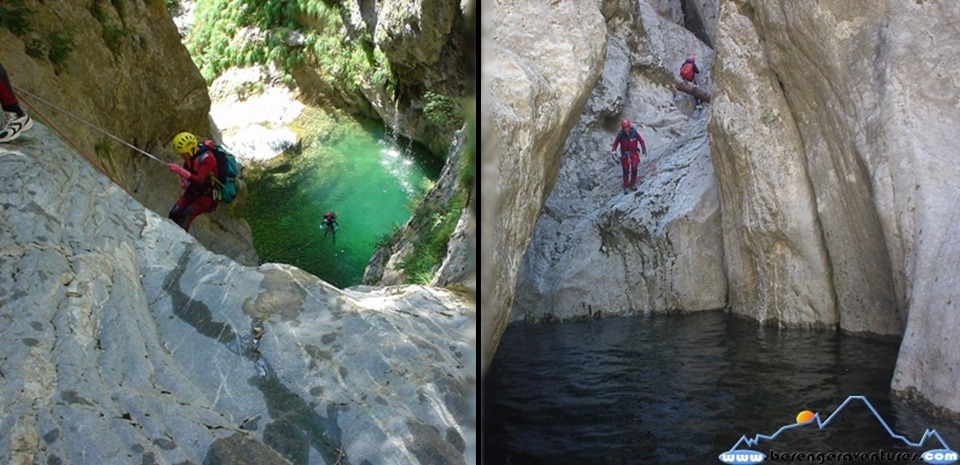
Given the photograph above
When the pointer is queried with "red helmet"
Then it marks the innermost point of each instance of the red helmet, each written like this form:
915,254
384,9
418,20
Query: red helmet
625,124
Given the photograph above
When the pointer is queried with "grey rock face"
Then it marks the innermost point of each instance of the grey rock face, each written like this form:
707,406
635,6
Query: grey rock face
125,341
537,78
698,16
598,250
799,172
832,135
671,10
414,33
460,264
423,42
769,210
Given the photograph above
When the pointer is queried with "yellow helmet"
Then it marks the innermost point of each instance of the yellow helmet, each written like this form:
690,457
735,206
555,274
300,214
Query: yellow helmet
185,144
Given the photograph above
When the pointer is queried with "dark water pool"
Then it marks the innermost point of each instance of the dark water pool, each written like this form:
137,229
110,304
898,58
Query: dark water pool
682,389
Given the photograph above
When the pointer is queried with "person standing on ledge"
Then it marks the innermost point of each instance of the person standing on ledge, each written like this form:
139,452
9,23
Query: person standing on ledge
13,121
629,141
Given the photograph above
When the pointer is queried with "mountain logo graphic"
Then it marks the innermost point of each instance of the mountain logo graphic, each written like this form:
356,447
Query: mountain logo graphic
735,456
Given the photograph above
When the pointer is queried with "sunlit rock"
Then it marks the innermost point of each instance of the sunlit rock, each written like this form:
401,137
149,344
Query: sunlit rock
126,341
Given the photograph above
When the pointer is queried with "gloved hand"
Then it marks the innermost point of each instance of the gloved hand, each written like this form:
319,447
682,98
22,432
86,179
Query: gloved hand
614,156
184,184
179,170
644,152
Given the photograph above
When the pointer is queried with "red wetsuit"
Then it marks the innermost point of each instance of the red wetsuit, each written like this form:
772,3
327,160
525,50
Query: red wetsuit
629,155
7,97
198,197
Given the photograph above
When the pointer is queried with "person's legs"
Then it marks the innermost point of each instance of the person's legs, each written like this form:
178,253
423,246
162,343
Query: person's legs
634,163
693,82
696,99
201,205
7,98
178,211
625,164
15,120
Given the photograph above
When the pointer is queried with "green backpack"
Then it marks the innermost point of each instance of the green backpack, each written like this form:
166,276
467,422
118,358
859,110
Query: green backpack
229,170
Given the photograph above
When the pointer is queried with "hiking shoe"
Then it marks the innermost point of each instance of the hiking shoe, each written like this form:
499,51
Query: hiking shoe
15,127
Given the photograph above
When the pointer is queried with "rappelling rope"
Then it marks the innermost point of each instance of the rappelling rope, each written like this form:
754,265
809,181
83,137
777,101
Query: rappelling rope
69,141
20,90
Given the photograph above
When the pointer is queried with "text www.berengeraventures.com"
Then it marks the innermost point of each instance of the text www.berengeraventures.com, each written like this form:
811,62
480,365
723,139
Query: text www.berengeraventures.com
825,457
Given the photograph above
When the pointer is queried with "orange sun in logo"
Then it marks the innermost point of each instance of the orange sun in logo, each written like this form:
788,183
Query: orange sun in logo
804,416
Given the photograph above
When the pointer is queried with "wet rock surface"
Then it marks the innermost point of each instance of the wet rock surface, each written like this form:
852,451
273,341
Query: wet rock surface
126,341
601,250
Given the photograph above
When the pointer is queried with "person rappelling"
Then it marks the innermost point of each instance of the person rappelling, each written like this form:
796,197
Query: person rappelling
209,176
196,179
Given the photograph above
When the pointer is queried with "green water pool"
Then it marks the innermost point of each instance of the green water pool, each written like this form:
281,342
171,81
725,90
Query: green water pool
370,179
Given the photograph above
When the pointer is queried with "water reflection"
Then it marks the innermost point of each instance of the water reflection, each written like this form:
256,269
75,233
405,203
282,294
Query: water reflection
683,389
